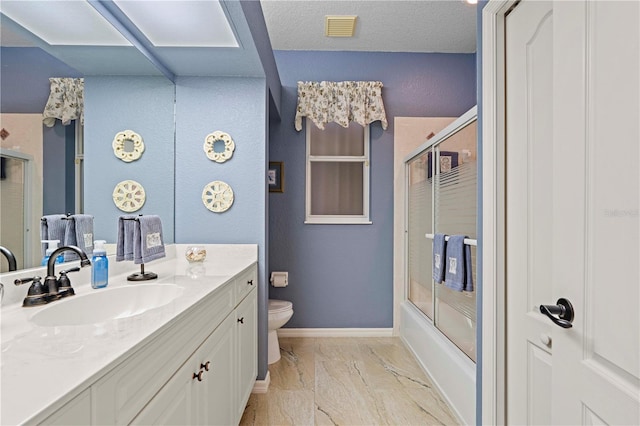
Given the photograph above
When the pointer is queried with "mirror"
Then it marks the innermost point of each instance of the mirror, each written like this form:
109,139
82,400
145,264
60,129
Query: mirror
57,159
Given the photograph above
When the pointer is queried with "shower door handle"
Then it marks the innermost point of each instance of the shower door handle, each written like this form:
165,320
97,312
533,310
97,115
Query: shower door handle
563,309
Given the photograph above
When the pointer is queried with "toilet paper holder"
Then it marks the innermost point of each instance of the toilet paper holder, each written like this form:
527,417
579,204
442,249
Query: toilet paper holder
279,279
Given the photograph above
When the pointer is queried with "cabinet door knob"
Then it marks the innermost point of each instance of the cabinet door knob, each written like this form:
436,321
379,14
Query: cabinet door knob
241,320
198,375
250,282
205,366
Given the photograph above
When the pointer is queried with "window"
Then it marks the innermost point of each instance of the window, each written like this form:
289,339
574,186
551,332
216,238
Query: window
337,188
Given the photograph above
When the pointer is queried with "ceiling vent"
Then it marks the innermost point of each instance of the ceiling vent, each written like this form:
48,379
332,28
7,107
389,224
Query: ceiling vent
340,26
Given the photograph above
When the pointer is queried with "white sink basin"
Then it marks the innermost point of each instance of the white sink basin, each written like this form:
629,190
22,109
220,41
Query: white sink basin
106,304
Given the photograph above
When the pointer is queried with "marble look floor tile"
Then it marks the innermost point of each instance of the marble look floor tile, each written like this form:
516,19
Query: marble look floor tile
295,370
347,381
413,406
337,349
342,395
255,413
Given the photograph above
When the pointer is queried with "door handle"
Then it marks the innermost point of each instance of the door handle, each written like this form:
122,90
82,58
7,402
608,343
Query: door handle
563,309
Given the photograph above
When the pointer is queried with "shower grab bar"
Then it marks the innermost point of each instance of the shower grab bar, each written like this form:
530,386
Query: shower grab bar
467,241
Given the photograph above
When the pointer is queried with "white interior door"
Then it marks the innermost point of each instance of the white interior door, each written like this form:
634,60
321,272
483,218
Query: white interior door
578,235
597,105
529,186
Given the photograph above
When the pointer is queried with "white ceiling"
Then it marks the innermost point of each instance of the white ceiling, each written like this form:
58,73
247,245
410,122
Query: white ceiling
446,26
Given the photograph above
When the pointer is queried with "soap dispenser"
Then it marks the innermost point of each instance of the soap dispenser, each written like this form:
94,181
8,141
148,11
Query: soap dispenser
52,245
99,265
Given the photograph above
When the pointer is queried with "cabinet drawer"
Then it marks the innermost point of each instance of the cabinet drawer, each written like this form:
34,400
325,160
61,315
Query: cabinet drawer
246,281
126,390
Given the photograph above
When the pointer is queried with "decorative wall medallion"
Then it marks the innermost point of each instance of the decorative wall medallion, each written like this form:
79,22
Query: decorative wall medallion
217,196
128,145
129,196
219,146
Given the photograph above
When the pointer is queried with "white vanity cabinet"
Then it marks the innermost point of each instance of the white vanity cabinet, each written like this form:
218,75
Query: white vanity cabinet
213,386
246,350
199,371
75,412
200,391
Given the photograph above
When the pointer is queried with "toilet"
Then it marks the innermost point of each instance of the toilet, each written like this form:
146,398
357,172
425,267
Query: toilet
280,312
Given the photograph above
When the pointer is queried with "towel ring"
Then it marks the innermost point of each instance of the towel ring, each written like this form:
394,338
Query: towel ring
120,148
210,146
129,196
217,196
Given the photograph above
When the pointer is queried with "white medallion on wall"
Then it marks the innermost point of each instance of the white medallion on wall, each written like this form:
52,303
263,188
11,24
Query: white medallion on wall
217,196
129,196
219,146
128,145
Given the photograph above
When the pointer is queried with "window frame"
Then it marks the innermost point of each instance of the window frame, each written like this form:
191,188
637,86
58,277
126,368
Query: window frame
365,159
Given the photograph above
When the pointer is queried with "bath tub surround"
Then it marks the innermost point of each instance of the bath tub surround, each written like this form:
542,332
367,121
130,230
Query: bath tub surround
125,365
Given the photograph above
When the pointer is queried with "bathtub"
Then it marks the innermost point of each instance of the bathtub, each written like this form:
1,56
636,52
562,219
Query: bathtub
452,372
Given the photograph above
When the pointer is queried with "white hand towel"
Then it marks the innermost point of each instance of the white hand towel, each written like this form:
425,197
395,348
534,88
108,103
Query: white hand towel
148,242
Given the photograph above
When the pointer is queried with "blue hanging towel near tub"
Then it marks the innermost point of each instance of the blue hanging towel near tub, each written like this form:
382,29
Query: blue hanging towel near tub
439,255
459,273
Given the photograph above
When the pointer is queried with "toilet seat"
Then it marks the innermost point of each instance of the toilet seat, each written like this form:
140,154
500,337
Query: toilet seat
277,306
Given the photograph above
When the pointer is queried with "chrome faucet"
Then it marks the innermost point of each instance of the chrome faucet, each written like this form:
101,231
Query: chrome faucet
52,289
11,259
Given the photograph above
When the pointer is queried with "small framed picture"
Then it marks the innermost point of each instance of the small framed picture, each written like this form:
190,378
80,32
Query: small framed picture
275,176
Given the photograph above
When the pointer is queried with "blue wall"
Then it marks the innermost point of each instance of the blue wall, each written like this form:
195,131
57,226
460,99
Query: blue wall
146,106
237,106
25,89
341,276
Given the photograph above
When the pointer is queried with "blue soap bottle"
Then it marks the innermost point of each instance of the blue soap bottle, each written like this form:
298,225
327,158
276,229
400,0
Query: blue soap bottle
99,265
52,245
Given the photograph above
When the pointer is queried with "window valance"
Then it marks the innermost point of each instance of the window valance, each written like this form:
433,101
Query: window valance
66,101
341,102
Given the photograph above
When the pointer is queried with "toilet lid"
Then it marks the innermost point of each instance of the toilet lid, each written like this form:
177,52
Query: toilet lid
279,305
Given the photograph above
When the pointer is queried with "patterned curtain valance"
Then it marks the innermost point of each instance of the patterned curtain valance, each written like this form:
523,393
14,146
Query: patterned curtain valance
340,102
66,101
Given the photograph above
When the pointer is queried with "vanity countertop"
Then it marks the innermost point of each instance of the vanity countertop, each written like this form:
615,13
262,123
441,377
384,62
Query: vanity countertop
43,367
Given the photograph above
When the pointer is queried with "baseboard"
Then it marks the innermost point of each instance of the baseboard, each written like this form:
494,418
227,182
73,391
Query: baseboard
262,386
335,332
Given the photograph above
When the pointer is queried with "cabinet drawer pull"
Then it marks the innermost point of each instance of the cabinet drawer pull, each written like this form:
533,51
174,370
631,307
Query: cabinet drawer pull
250,282
205,366
198,375
241,320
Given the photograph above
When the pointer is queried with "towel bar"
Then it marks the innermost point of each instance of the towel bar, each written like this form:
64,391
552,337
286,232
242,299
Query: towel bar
467,241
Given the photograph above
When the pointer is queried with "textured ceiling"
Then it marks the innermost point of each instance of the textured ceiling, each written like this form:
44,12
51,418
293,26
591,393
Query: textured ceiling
446,26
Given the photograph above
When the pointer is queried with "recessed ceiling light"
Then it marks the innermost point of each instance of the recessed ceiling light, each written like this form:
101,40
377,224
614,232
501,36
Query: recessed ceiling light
181,23
340,25
63,22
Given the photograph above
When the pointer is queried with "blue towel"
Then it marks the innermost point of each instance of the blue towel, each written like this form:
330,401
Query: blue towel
52,227
124,245
459,275
439,250
148,243
79,233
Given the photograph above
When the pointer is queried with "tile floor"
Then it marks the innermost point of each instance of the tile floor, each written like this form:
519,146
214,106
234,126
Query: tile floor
347,381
